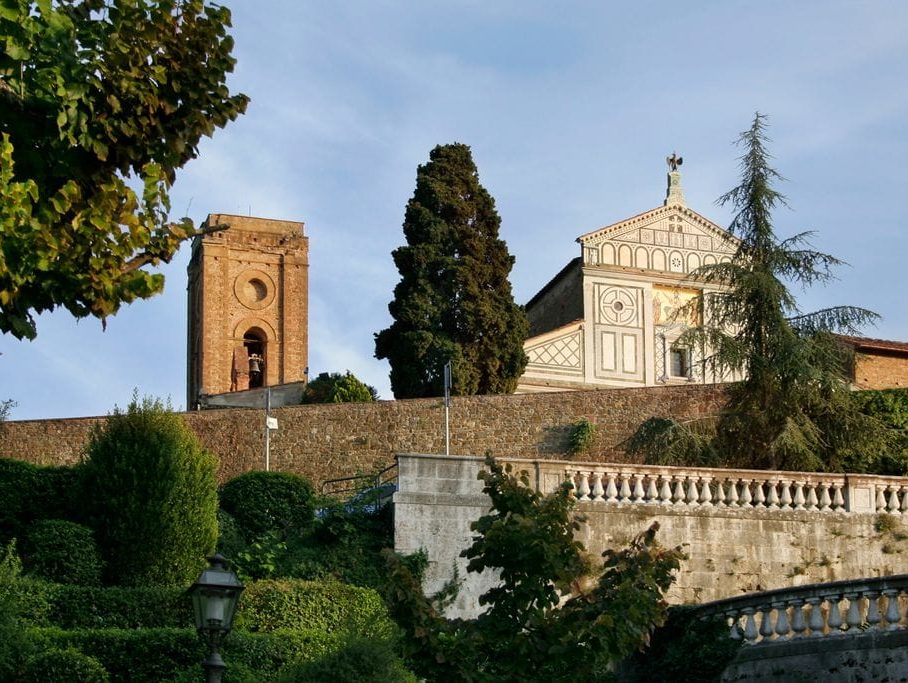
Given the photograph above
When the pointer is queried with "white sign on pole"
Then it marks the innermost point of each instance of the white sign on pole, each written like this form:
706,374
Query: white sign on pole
271,422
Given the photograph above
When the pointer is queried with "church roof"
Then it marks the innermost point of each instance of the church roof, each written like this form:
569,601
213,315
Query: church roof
652,216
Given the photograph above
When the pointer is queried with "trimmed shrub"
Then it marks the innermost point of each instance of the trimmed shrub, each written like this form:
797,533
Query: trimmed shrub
364,660
57,493
17,481
231,541
153,496
63,666
313,606
63,552
269,501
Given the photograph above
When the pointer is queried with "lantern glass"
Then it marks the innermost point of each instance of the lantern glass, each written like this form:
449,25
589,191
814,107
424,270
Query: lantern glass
215,595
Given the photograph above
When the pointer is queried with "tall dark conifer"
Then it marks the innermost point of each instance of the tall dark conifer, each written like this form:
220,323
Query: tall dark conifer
454,300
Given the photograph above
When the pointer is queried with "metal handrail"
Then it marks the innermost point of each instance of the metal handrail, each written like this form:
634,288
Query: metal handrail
372,480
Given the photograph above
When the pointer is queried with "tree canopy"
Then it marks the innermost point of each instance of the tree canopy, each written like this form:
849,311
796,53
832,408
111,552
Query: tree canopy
98,97
337,388
550,618
793,410
454,301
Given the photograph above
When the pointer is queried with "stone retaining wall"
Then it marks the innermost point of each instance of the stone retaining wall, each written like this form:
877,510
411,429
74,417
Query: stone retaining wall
328,441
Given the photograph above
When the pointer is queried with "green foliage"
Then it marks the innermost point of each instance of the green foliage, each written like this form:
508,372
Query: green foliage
63,666
31,492
324,606
259,560
86,116
581,436
890,408
345,544
338,388
547,618
152,496
664,441
685,650
63,552
261,502
364,660
453,301
13,645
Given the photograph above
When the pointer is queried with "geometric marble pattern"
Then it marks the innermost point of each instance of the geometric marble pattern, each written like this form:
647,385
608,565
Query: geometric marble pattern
563,352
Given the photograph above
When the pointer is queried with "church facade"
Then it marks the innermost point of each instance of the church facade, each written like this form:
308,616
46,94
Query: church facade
608,319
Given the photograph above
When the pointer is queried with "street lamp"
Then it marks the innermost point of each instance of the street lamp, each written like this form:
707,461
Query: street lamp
214,598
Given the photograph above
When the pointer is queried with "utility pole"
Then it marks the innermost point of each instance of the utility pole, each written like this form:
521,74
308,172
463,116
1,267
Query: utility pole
270,423
447,408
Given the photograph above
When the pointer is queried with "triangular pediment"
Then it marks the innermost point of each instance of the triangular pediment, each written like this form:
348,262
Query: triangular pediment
666,226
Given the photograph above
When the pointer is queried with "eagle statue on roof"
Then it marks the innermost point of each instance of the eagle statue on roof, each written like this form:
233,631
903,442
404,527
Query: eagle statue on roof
674,161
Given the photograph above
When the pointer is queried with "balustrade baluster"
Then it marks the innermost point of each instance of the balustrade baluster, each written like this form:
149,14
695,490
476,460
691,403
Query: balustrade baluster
570,478
834,620
706,495
732,498
798,624
785,497
893,612
759,497
678,494
625,493
880,500
665,493
816,622
873,617
611,491
597,487
893,505
692,493
904,506
735,633
638,488
583,486
798,501
812,503
766,629
825,500
652,493
838,500
750,625
745,494
853,617
772,497
782,628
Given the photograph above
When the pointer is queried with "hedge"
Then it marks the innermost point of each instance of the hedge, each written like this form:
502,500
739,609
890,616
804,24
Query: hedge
30,492
62,551
269,501
321,606
264,606
165,654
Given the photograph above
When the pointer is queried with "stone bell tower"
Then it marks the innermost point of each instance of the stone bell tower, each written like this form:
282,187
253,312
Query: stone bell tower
248,306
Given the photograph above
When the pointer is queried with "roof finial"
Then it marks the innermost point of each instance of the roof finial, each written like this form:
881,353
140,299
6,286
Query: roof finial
674,195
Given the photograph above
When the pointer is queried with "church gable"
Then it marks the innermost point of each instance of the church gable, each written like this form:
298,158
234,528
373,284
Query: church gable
669,238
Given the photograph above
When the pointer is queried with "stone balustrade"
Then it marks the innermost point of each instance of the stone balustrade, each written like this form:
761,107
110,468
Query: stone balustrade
818,610
619,484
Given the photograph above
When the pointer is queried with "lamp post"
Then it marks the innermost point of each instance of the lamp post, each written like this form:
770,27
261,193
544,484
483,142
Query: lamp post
215,595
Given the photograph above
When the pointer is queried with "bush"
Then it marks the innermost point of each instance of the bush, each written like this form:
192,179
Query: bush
581,436
363,660
153,496
337,388
269,501
63,666
30,492
63,552
313,606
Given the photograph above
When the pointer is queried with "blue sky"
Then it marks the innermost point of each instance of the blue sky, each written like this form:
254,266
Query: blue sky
570,108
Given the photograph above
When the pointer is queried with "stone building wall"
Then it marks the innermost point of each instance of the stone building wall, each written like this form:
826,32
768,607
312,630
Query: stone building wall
881,371
327,441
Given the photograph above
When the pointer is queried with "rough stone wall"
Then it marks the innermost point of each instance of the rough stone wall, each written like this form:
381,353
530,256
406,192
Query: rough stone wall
879,371
730,550
327,441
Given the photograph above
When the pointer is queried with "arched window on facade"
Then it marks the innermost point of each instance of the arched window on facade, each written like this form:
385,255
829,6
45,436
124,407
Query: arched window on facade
254,341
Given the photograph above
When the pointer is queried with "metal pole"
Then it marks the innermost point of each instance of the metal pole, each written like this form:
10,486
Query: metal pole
447,408
267,429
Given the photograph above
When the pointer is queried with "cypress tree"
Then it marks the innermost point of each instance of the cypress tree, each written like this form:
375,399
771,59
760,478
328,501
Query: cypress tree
454,300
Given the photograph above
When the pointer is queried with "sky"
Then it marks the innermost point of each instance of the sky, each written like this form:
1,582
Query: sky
570,109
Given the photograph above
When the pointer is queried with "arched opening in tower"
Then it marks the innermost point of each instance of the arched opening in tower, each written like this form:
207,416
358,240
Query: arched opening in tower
254,341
